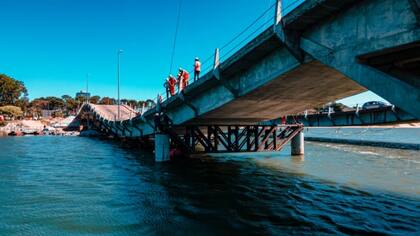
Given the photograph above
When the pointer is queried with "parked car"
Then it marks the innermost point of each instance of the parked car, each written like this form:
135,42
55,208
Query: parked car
373,105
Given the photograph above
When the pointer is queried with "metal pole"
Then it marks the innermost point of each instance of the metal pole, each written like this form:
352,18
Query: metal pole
118,81
87,88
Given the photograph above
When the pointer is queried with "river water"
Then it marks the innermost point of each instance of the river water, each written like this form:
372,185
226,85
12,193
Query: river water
75,186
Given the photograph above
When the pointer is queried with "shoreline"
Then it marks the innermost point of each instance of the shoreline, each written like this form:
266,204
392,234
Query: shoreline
406,124
50,126
394,145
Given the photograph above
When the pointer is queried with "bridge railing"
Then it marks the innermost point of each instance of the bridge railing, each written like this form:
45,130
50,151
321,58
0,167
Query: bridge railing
242,38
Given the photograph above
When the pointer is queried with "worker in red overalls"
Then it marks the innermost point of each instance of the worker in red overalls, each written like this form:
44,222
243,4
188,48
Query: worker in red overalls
171,82
283,120
197,69
183,79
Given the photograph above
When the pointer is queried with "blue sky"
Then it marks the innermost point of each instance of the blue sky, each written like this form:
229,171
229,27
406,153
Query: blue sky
52,44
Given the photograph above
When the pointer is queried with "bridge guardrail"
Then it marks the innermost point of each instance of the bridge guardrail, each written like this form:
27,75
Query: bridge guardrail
259,25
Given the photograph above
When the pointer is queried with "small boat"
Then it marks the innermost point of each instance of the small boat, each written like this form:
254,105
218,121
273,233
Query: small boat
30,132
14,133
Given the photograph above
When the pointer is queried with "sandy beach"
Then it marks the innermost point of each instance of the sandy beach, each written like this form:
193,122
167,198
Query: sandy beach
55,125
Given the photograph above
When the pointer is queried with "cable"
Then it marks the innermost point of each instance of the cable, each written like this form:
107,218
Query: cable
248,27
233,39
252,24
176,36
243,40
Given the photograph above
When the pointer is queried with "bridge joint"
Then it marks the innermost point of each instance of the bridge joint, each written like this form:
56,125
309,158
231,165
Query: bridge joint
291,40
187,102
225,83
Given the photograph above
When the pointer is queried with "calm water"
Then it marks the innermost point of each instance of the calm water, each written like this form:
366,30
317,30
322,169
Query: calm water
74,186
399,135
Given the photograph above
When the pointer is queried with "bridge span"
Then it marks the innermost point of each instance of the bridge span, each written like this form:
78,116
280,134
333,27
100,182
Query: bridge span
321,51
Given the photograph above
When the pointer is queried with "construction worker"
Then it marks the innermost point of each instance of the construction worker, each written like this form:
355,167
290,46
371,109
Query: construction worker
197,69
171,82
183,79
283,120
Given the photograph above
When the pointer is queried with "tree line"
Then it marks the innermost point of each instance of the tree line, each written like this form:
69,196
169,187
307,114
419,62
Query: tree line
14,93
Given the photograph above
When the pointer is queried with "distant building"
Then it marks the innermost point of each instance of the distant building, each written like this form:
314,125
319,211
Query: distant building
49,113
83,94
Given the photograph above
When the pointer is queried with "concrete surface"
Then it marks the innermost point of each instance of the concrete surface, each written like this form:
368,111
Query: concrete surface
311,58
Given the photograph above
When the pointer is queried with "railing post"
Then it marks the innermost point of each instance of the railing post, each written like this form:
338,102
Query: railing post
158,108
330,110
142,109
278,13
216,59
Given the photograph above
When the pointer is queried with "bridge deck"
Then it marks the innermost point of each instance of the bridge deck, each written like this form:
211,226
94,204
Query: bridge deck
308,86
312,57
110,112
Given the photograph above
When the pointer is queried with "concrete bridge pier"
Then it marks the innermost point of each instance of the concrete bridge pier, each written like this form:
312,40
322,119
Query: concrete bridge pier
298,144
162,147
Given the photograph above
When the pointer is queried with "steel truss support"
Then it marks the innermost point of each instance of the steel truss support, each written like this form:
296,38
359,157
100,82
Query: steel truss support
235,138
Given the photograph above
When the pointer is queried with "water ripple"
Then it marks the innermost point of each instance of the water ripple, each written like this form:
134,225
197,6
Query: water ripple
73,186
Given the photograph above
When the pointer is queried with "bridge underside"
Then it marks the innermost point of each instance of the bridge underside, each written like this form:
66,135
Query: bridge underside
402,62
308,86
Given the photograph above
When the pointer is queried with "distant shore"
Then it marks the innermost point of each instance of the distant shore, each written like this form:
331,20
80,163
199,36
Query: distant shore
401,136
405,124
50,126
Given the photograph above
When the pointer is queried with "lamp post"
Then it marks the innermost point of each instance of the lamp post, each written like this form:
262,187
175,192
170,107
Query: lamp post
87,88
118,80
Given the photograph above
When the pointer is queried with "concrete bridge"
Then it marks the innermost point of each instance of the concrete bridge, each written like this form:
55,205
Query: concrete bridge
375,116
321,51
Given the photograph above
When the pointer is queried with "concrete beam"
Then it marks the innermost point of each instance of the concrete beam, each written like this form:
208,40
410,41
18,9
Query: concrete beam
225,83
415,6
188,103
291,40
398,92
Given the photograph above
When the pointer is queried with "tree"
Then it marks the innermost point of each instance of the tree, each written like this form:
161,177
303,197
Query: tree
12,111
11,90
150,103
123,101
55,103
94,99
132,103
141,103
80,99
23,103
70,103
107,101
38,104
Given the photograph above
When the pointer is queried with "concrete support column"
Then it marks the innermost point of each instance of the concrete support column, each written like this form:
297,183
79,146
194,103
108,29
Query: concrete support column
162,146
298,144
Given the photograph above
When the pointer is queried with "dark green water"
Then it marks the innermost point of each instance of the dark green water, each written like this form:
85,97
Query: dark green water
82,186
